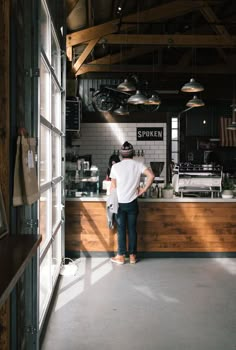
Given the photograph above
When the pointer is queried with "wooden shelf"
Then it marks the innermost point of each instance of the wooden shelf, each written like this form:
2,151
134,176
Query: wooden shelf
15,254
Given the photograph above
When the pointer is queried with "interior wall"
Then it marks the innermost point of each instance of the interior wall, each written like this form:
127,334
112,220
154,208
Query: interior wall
101,139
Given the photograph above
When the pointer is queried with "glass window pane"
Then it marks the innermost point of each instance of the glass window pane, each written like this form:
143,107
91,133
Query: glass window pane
175,158
45,218
44,91
45,285
174,134
56,255
174,123
174,146
45,155
56,57
56,205
56,155
56,106
44,29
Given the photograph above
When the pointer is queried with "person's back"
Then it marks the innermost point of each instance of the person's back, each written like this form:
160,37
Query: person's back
127,174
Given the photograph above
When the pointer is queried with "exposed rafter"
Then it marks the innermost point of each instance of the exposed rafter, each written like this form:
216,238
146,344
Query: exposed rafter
158,13
211,18
84,55
180,40
207,69
127,44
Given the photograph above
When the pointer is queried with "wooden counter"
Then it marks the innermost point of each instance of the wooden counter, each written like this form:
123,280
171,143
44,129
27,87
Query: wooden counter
179,225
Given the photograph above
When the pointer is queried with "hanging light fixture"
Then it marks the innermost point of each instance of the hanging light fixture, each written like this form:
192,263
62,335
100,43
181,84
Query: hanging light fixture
126,85
153,100
122,110
195,102
137,99
192,86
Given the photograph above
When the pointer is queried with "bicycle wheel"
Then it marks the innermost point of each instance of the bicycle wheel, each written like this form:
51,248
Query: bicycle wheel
103,102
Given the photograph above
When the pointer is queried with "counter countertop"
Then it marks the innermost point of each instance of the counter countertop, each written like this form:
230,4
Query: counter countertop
103,198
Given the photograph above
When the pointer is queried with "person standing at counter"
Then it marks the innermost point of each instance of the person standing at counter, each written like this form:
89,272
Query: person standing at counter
125,178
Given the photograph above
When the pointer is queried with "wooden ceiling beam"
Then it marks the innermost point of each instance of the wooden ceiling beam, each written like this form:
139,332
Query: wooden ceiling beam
211,69
98,31
175,40
159,13
165,11
211,18
84,55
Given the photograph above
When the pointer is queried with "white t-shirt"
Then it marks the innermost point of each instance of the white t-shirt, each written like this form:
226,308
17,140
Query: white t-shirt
127,174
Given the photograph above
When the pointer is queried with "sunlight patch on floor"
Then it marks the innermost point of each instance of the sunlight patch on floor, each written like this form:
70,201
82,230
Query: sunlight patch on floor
90,271
168,299
228,264
99,270
146,291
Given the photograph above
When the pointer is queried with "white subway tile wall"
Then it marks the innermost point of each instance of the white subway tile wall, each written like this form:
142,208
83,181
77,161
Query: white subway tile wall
101,139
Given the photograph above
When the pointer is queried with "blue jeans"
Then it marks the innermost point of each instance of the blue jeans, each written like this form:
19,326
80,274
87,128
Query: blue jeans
127,218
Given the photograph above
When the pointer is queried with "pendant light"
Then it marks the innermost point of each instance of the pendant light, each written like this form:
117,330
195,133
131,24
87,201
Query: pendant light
137,99
192,86
195,102
122,110
126,85
153,100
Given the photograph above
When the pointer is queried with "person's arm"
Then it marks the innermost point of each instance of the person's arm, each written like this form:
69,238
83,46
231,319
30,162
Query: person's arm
113,184
150,177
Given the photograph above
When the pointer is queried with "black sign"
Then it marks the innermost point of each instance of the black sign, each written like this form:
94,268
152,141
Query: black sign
149,134
72,115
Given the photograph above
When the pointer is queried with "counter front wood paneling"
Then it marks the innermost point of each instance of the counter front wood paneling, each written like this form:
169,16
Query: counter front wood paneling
162,227
87,229
187,227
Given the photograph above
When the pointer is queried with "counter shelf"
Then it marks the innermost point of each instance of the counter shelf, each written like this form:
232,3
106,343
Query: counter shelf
86,184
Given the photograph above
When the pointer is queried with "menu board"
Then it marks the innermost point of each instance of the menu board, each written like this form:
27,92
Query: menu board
73,111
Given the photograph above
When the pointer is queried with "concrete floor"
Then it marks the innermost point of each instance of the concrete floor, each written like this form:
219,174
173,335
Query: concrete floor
157,304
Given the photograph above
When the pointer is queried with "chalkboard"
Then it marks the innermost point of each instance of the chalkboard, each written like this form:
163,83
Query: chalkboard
73,112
